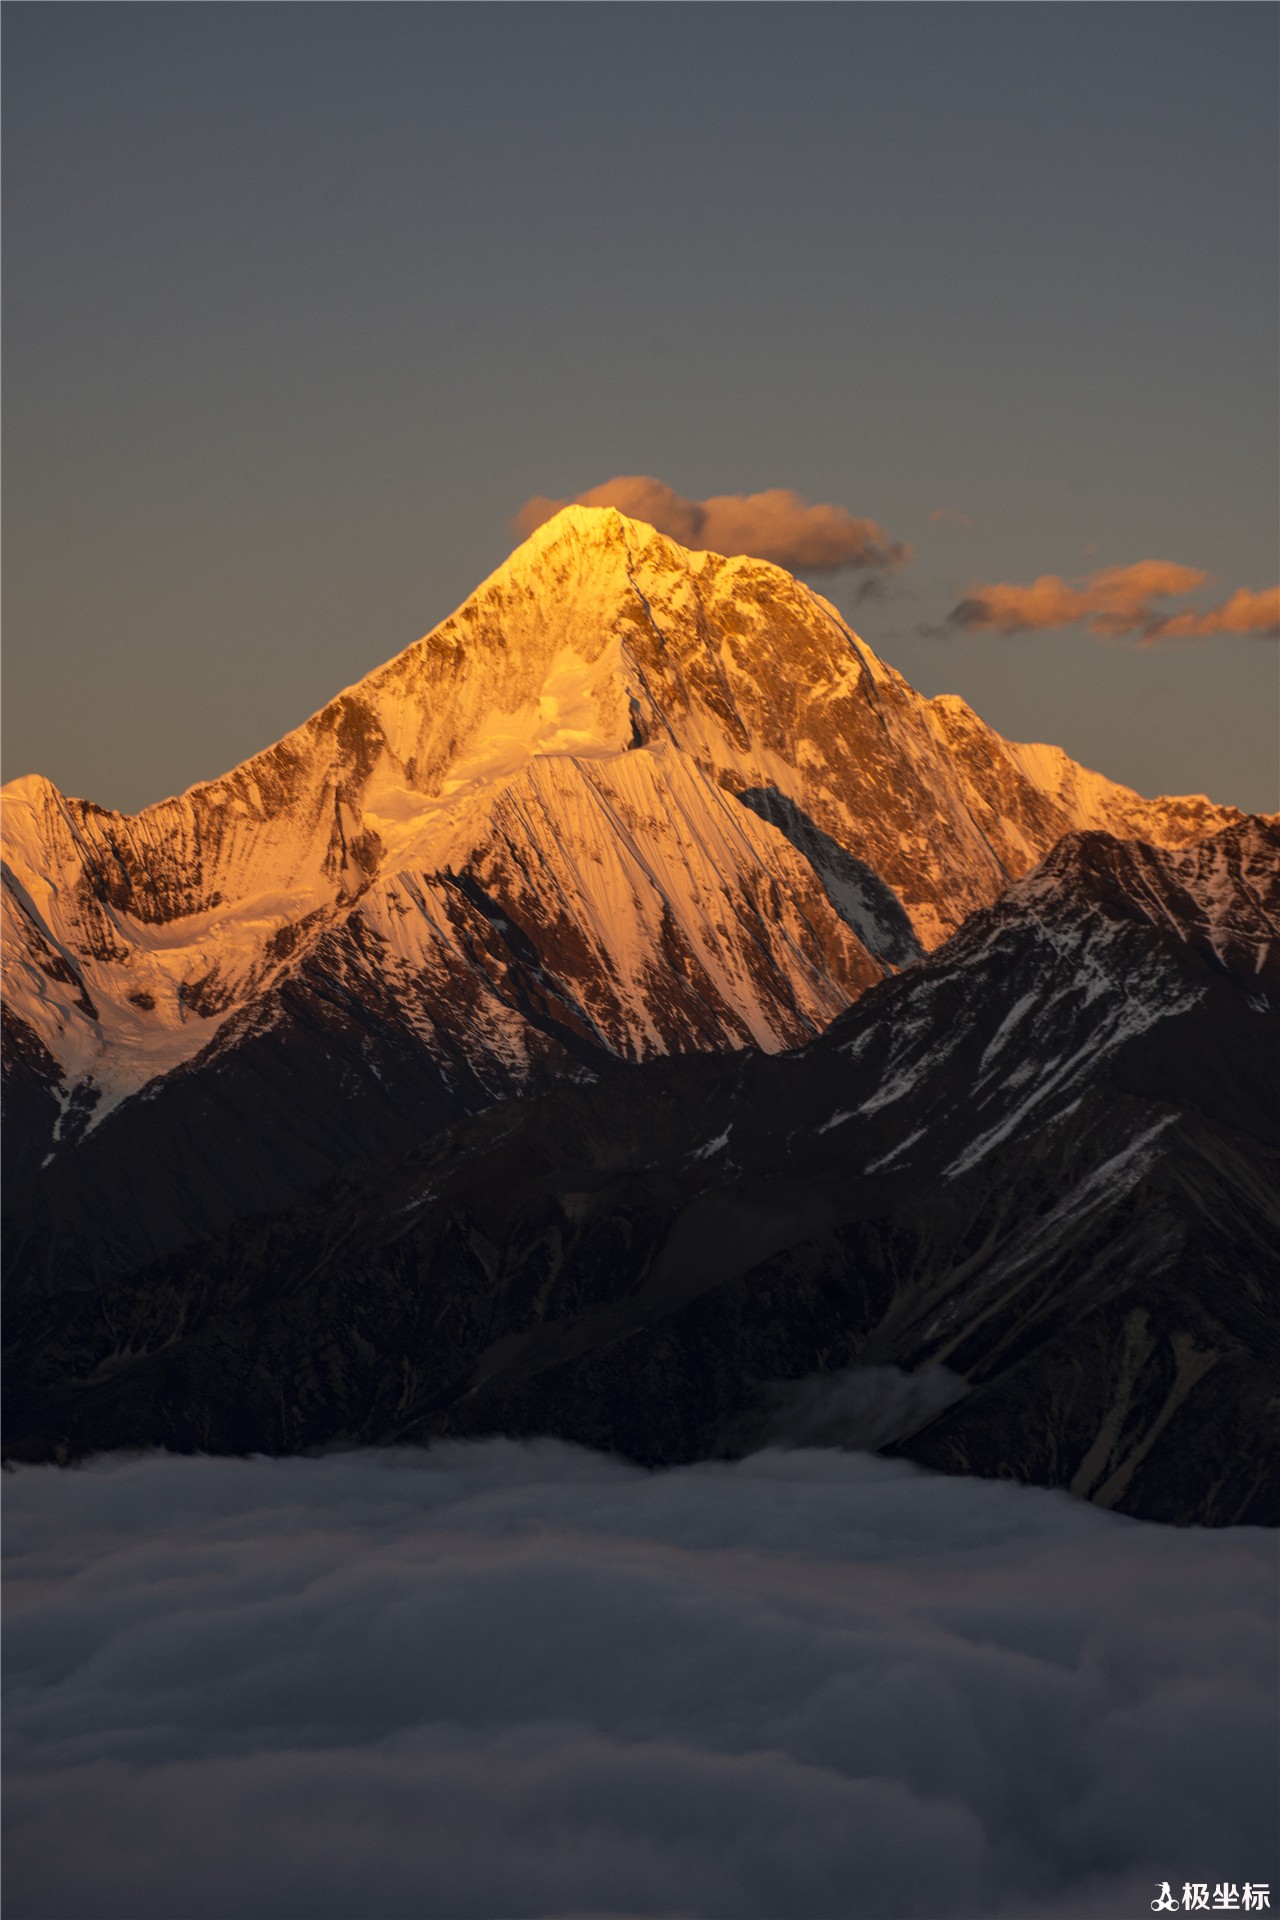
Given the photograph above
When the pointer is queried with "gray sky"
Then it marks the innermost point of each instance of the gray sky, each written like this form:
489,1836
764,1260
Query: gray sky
304,302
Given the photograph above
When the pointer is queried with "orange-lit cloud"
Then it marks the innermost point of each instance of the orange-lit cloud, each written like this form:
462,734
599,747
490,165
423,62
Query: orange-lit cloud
953,514
1244,612
777,525
1114,602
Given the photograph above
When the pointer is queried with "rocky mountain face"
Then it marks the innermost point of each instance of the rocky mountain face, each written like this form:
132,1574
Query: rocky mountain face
634,1014
1012,1213
629,801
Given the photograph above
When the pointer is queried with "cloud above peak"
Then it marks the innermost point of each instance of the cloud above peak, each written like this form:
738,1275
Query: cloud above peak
777,525
1115,602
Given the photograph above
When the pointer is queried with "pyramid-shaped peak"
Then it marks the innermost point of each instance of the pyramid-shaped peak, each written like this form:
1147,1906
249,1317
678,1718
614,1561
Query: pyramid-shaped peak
597,523
609,527
606,529
608,550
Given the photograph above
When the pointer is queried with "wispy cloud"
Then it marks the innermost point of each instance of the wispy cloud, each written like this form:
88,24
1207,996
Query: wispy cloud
1244,612
776,525
953,515
1115,602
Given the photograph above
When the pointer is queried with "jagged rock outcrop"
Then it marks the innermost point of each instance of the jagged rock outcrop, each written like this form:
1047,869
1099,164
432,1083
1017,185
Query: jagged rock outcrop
628,800
1030,1178
635,1014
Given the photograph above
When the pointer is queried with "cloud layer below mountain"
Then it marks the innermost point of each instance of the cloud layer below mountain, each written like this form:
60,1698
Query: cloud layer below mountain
777,525
502,1679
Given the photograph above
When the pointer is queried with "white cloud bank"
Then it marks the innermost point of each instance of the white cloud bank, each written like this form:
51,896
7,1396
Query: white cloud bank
519,1680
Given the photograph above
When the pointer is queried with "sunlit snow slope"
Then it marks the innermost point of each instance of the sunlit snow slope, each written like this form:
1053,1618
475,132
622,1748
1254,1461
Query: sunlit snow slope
628,797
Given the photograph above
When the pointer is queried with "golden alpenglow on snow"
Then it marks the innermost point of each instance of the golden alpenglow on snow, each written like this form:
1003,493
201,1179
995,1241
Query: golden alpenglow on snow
682,781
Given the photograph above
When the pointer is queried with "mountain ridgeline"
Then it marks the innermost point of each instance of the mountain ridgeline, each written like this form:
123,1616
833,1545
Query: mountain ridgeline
635,1014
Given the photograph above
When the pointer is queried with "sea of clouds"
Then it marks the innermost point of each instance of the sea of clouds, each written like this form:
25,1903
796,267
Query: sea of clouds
502,1679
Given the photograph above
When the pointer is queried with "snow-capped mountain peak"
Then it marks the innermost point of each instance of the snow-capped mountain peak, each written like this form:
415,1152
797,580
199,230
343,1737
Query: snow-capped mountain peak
707,810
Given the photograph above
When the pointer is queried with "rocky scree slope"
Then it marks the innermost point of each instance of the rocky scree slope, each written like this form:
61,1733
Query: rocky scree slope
1029,1183
628,801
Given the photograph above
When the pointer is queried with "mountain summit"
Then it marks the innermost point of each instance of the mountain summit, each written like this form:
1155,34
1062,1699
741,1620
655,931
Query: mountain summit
629,1005
1012,1213
627,800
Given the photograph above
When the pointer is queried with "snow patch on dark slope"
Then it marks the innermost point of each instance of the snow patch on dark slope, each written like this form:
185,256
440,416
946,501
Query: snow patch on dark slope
504,745
1037,1159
